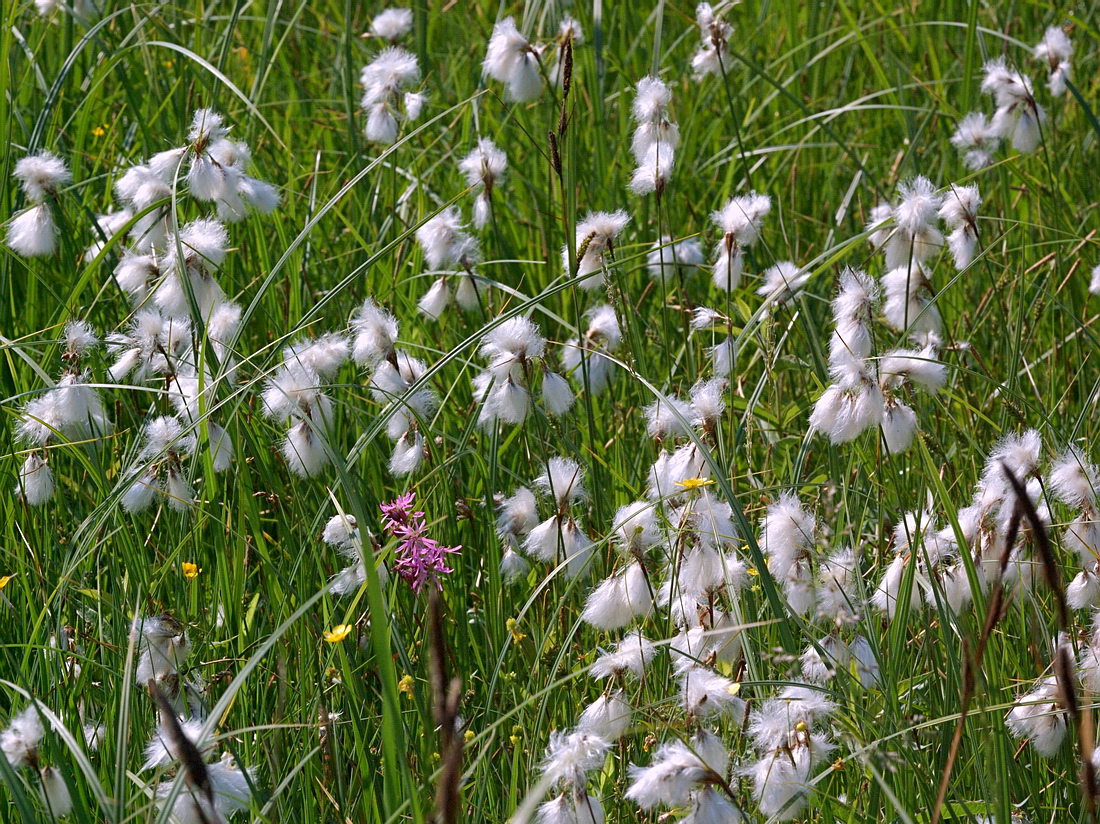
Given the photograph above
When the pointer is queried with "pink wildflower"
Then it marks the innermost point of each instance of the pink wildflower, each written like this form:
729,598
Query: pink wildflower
418,558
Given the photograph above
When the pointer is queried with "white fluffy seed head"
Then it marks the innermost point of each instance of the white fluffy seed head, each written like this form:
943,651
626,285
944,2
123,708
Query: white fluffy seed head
960,205
517,340
304,450
651,100
908,304
224,323
436,300
634,528
375,329
408,454
918,203
55,793
1008,87
782,282
899,426
291,392
163,749
80,338
609,716
669,418
742,216
571,755
323,355
711,58
976,138
392,71
207,126
1074,480
204,242
1055,47
41,175
445,241
708,402
563,480
392,24
557,395
166,434
35,485
618,600
919,366
106,227
485,165
518,514
381,126
852,309
595,236
341,531
704,693
654,169
630,656
32,233
1019,454
666,259
19,741
678,768
1038,717
788,533
511,59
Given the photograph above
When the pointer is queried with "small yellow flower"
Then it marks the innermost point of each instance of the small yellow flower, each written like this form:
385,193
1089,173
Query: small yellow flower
752,571
338,633
512,625
168,64
190,570
5,580
99,131
694,483
734,688
801,726
468,735
405,685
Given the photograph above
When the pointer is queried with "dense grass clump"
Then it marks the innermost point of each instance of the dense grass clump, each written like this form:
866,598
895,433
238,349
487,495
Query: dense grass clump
490,411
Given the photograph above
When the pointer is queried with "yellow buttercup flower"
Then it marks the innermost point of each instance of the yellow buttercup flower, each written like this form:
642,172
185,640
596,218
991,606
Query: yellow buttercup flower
190,570
405,685
99,131
5,580
468,736
694,483
338,633
512,625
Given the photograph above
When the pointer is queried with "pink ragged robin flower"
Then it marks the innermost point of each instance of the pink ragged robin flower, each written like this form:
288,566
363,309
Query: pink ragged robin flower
418,558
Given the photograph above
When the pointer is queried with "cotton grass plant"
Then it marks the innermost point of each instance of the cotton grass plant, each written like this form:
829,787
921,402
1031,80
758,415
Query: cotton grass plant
548,412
